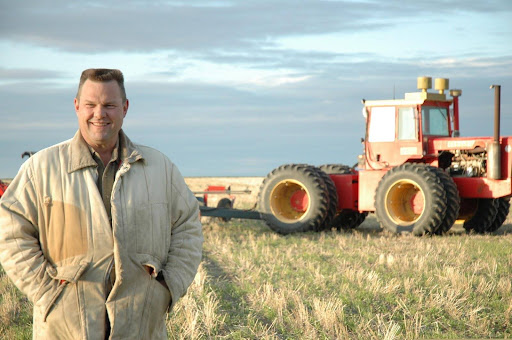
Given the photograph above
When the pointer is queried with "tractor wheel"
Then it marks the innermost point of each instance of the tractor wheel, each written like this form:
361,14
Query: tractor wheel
410,197
452,202
332,195
501,215
484,215
346,219
293,198
225,203
349,219
335,169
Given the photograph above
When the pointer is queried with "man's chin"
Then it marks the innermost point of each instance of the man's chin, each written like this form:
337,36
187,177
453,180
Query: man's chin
101,140
101,135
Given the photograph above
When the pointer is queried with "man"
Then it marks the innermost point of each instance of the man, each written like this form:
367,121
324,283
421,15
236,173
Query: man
101,234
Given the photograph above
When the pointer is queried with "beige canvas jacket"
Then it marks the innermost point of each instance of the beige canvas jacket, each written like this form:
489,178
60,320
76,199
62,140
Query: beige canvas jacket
57,244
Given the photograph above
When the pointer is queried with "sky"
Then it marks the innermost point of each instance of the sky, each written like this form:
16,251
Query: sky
237,88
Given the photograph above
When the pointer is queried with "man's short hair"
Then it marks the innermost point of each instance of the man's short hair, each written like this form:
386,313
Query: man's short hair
102,75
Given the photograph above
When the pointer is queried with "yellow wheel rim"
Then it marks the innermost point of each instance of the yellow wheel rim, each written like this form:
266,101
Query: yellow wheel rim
468,209
289,201
405,202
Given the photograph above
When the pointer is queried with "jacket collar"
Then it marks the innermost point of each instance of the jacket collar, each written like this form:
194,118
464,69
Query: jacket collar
80,155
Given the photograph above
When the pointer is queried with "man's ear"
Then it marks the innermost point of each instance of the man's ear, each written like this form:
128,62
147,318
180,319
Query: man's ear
125,107
77,106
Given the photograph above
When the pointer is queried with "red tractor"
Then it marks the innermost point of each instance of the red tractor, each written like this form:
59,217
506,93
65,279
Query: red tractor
416,173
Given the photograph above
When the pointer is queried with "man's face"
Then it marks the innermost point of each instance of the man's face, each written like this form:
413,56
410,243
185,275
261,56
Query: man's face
100,112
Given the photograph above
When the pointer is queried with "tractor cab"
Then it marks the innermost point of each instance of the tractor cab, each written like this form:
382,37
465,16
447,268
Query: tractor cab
397,131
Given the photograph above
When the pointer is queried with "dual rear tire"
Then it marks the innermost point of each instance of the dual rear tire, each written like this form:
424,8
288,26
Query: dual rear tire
300,197
488,215
422,199
411,198
294,198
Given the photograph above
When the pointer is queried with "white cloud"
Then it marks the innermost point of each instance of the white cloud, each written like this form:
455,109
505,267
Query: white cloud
225,74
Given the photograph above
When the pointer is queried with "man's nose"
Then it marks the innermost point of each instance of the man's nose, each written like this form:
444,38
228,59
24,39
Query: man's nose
100,111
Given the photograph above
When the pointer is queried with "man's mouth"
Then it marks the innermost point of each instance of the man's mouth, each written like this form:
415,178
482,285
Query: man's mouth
99,123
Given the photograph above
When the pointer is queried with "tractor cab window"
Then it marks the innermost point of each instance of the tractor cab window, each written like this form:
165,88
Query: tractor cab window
406,124
382,124
435,121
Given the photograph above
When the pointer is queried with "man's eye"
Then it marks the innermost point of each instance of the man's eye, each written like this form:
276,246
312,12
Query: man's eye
89,105
110,106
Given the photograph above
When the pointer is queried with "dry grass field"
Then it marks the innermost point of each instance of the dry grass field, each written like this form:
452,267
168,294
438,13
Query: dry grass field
364,284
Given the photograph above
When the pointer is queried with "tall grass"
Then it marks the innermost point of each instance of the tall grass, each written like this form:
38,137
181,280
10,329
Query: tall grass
15,311
367,284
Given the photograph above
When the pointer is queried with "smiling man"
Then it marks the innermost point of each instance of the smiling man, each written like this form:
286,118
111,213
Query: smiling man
101,107
101,234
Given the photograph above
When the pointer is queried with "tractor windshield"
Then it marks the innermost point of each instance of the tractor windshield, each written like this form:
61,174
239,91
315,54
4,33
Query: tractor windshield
435,121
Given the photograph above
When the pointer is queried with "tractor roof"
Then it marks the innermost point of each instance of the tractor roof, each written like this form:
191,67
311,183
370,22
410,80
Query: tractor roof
418,98
413,98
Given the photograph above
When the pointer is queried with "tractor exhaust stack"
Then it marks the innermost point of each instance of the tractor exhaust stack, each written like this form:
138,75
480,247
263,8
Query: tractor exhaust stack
494,152
456,94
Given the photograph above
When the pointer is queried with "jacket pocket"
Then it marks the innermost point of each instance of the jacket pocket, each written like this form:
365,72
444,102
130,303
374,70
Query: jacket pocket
52,300
65,275
62,317
157,303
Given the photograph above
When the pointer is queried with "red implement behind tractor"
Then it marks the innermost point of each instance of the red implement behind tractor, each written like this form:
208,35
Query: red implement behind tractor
416,173
224,209
3,187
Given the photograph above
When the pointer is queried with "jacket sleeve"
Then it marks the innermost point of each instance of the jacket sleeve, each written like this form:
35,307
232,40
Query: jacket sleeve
20,251
186,238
